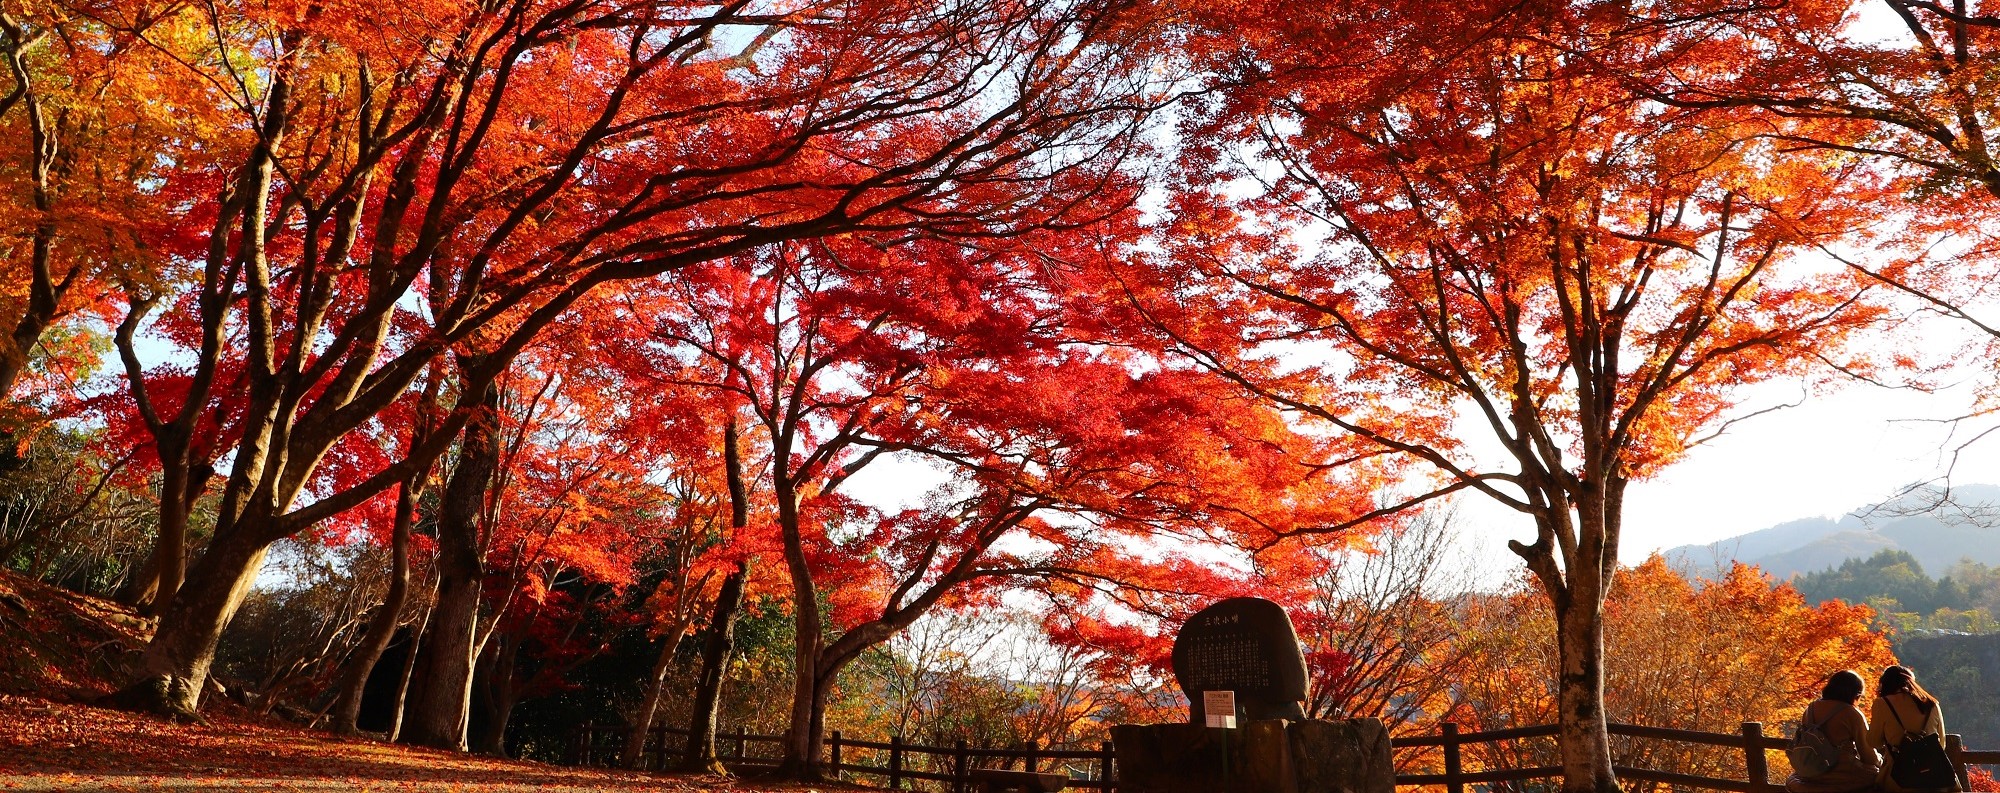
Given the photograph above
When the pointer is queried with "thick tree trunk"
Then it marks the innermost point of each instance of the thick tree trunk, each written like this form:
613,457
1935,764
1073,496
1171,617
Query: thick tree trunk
497,696
807,734
1583,738
442,686
437,712
171,553
802,741
175,664
701,755
354,679
1575,558
802,738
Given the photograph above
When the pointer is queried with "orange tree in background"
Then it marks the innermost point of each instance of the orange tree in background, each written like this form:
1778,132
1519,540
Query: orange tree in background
1704,656
83,134
1415,226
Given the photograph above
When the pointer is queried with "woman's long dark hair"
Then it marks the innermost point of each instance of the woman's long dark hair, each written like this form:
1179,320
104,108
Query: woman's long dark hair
1844,686
1903,680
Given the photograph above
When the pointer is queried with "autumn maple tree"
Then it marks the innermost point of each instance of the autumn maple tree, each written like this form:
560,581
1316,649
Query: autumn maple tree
958,357
404,183
1905,90
586,326
1474,235
1896,84
79,143
1704,656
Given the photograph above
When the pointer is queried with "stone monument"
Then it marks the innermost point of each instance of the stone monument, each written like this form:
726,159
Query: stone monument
1246,646
1243,655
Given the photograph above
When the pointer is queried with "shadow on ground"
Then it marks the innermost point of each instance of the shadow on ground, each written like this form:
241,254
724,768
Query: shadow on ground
49,745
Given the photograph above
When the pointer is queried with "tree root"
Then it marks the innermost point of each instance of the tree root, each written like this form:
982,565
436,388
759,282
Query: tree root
166,696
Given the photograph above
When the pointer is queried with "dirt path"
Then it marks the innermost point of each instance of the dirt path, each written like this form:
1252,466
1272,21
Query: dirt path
51,746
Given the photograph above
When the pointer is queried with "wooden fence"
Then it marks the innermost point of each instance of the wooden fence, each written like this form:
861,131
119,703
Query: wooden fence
1094,769
1088,769
1750,740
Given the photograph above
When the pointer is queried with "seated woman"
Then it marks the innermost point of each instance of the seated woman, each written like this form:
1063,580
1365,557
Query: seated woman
1855,766
1903,709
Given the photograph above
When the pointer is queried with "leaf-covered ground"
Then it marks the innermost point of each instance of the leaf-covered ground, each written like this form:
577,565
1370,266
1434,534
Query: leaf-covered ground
57,643
49,745
59,649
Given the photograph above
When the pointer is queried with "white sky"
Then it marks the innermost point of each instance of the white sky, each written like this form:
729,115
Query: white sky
1837,451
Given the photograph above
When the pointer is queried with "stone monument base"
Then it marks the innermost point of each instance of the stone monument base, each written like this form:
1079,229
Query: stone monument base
1265,756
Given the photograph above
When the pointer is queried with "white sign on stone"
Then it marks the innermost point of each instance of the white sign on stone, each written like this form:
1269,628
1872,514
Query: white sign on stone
1220,708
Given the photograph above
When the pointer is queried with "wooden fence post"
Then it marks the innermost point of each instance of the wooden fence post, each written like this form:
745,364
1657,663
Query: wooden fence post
1756,767
1954,749
959,765
742,743
1029,762
895,762
663,745
1106,777
1453,766
833,754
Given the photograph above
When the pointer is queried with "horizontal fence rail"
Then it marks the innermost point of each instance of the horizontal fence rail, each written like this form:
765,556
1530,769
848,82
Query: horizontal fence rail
956,765
1094,769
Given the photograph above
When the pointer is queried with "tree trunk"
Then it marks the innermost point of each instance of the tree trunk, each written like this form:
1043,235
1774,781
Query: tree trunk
1583,738
165,569
175,664
1583,528
44,291
805,739
171,553
701,755
634,755
417,636
442,687
354,679
497,696
801,743
802,740
436,716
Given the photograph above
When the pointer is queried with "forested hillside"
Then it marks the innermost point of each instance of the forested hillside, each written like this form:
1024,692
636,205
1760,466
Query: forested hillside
1965,597
1943,627
1964,673
1936,528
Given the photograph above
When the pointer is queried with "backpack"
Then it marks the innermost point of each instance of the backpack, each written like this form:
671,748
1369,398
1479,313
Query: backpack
1919,761
1811,752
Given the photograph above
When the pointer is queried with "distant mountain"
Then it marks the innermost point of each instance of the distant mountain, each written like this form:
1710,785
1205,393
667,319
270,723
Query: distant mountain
1967,528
